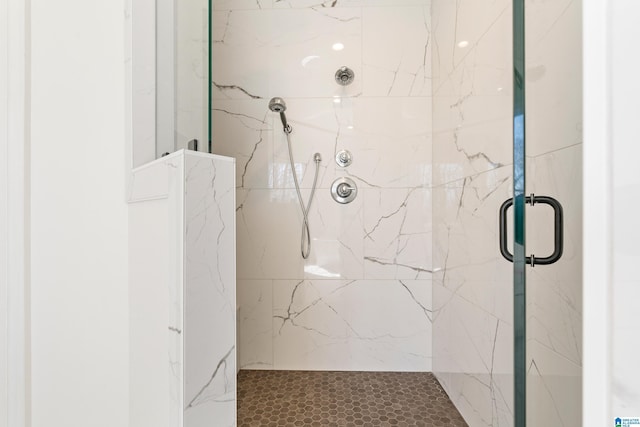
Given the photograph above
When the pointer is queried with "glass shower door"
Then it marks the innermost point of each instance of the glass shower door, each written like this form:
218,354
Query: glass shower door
547,211
553,150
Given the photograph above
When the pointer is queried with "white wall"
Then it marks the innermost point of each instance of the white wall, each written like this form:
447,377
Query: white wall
79,218
611,373
625,91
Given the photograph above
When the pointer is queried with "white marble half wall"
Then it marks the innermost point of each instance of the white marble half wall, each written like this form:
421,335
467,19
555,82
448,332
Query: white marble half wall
183,291
362,300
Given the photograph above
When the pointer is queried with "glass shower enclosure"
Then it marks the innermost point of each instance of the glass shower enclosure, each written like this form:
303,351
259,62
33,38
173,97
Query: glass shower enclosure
507,210
505,95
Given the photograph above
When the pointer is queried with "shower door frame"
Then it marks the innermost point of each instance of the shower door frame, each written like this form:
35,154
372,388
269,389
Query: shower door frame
14,214
519,220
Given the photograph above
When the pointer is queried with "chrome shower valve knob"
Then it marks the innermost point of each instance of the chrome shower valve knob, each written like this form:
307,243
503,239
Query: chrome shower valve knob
344,190
344,76
344,158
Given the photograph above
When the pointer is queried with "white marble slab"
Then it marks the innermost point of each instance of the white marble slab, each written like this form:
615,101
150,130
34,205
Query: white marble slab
210,292
183,301
366,325
268,48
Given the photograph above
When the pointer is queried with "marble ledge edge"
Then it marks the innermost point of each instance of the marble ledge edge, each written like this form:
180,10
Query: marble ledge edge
150,181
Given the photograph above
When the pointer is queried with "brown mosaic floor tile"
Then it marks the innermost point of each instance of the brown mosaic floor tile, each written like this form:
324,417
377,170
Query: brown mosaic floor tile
309,398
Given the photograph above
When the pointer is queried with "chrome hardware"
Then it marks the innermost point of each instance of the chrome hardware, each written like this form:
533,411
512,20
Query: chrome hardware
344,158
344,76
193,145
344,190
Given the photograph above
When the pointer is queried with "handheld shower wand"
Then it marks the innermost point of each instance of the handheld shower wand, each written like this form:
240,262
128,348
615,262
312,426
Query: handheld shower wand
277,105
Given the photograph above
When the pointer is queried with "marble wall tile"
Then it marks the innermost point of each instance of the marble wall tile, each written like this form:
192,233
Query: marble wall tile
346,3
554,150
473,135
241,4
472,81
466,253
337,239
298,4
243,130
266,53
555,291
397,239
473,353
255,338
187,377
351,325
398,65
319,126
472,299
554,386
554,75
459,28
284,48
472,154
268,233
390,139
210,291
393,144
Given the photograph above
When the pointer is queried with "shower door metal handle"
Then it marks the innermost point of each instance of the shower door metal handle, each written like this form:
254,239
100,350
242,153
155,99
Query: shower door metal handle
558,234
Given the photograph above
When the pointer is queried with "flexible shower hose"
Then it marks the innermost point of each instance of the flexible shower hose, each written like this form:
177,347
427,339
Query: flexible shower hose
305,238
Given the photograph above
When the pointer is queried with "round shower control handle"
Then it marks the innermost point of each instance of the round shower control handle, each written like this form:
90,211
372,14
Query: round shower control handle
344,190
344,158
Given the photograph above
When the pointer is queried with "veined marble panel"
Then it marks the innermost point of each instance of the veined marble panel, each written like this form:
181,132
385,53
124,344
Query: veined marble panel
473,358
266,53
243,129
347,325
269,223
397,65
346,3
390,139
269,48
281,4
255,338
466,253
458,30
336,231
554,292
472,135
183,291
241,4
210,292
397,239
473,298
553,75
554,388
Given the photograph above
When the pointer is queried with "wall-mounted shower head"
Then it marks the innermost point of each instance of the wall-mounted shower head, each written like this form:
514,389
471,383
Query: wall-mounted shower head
277,105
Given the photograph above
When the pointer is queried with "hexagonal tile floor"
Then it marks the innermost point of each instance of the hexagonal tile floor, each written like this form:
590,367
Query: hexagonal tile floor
309,398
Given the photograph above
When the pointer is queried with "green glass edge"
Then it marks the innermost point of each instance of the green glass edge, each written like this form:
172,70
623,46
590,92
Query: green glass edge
519,256
210,77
